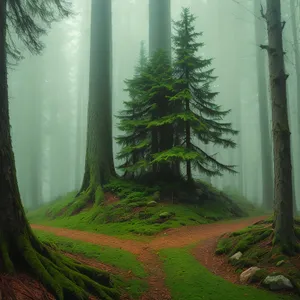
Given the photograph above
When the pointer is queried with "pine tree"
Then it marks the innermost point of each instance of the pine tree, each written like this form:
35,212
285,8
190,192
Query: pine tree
149,91
195,115
134,142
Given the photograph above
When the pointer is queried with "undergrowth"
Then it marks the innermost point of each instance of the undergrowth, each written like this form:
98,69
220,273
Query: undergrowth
255,244
141,210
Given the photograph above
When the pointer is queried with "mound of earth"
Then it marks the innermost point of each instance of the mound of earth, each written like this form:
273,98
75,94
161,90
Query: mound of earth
252,248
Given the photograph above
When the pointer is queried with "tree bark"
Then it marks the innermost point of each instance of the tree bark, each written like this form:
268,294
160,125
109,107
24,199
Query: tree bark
265,135
293,8
159,26
99,163
284,234
20,250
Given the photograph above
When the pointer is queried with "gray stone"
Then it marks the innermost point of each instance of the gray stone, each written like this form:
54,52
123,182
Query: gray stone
278,282
248,274
236,256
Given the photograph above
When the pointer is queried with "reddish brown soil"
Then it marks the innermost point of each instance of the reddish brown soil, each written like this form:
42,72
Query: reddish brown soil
22,287
146,251
217,264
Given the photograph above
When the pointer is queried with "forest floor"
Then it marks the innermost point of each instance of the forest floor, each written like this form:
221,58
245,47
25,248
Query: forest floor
151,255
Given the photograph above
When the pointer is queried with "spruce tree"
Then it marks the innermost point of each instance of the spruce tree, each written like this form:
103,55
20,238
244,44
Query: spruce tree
134,143
195,114
149,93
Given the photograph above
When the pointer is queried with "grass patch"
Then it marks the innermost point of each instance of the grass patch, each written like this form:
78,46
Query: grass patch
141,210
118,258
188,280
134,287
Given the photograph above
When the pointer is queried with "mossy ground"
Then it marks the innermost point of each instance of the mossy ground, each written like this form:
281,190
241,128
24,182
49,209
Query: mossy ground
187,279
130,215
115,257
255,243
63,277
118,258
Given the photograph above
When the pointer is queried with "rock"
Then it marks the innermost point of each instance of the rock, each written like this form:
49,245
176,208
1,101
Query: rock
278,282
152,203
248,274
165,214
281,262
236,256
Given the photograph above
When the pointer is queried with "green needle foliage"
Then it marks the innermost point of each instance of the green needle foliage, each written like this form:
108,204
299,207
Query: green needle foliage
171,107
199,117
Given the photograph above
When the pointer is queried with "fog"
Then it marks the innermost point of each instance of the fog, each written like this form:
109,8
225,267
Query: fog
49,93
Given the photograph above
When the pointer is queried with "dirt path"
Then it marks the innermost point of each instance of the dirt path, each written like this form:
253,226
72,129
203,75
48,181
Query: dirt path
146,251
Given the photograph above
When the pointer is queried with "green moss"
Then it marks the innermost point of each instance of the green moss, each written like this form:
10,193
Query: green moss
4,257
63,277
113,256
259,276
99,195
250,237
248,241
187,279
224,245
131,217
244,263
134,287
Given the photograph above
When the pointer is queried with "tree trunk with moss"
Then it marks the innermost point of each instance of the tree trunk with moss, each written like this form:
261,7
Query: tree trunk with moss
265,136
20,250
99,163
284,234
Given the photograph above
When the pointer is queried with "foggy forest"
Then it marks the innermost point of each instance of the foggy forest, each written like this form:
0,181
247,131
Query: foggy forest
149,149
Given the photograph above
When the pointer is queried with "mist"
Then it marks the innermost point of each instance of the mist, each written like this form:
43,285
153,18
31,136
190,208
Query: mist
49,93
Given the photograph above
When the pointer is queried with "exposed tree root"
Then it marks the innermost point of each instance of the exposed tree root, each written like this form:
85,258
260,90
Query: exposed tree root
63,277
290,246
93,195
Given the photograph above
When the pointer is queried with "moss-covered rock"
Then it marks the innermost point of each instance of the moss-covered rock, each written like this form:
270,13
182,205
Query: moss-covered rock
259,276
151,203
165,215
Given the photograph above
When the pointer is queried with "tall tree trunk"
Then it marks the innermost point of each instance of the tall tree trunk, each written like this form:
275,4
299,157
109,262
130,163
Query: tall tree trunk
159,38
20,250
99,163
78,153
12,217
284,234
159,26
265,134
293,8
